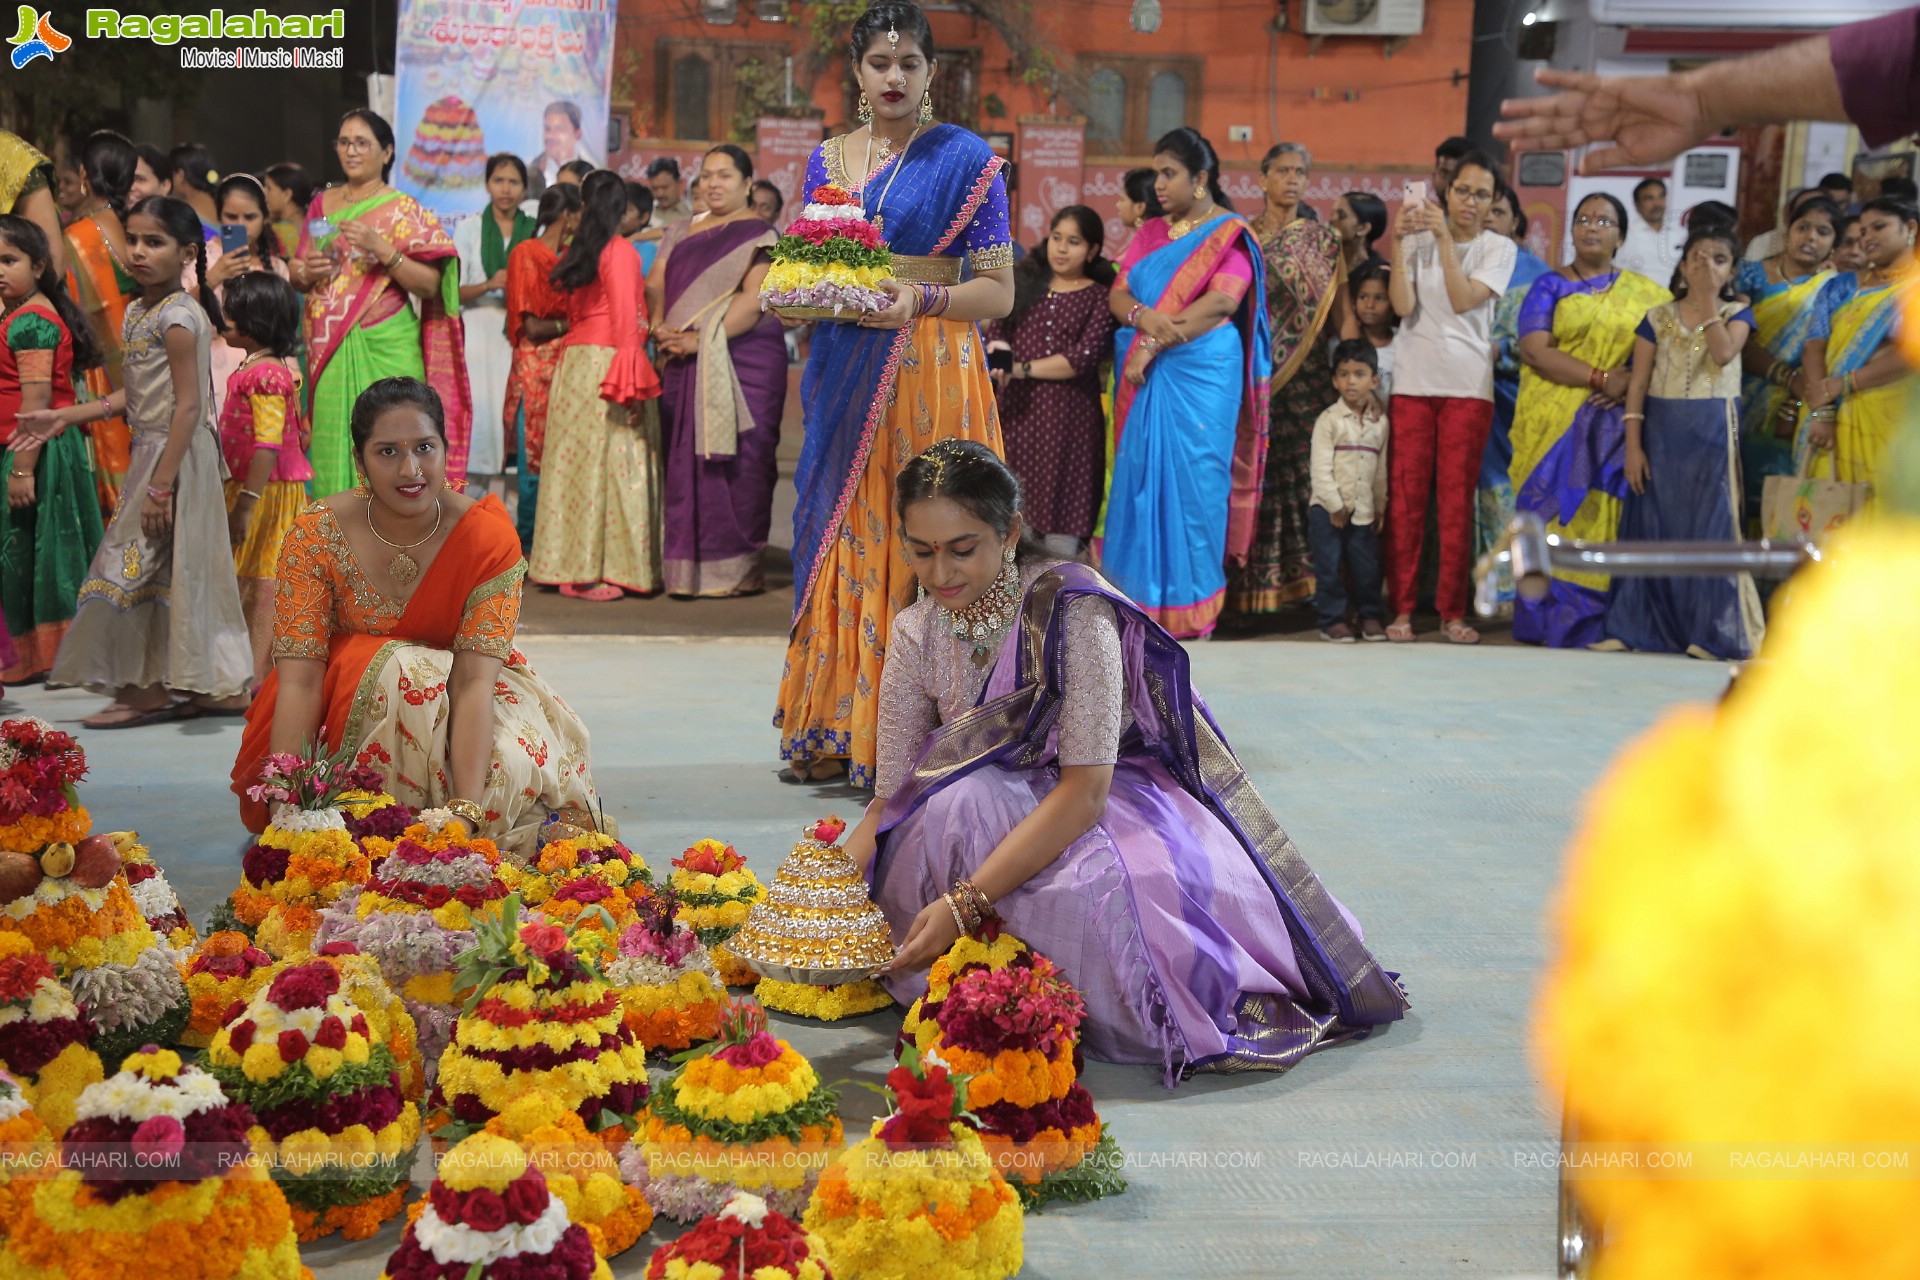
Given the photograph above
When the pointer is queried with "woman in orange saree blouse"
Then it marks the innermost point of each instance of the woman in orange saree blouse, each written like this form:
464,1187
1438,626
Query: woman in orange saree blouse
394,634
102,283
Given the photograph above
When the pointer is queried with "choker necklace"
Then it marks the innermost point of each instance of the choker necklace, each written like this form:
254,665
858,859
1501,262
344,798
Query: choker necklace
403,568
984,622
1175,230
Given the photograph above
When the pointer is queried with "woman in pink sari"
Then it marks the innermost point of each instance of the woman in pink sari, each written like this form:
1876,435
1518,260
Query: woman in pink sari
364,249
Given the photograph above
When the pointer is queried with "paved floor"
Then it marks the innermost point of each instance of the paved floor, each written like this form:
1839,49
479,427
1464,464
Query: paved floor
1431,787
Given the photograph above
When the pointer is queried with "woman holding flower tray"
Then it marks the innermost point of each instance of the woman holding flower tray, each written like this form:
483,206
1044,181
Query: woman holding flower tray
878,391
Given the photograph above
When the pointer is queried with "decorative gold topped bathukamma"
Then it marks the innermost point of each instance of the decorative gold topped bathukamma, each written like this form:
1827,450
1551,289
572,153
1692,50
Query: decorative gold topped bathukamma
816,925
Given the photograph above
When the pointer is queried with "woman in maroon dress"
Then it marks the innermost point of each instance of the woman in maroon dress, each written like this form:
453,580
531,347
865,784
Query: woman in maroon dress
1060,331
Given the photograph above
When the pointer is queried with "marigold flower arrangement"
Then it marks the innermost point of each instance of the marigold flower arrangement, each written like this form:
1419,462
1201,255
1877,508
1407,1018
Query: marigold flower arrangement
577,871
491,1213
152,894
920,1196
158,1174
746,1240
716,891
581,1168
224,970
670,993
1741,882
750,1114
541,1017
40,768
1012,1028
306,858
830,261
44,1034
326,1099
431,886
25,1142
362,983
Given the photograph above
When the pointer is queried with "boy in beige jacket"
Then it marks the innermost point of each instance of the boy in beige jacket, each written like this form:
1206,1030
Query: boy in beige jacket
1349,469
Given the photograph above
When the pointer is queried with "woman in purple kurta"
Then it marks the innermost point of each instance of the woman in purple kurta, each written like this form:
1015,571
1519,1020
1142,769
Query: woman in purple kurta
723,363
1194,930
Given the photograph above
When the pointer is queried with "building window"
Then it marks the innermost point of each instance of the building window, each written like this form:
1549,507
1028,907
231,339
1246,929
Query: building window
1106,106
956,87
1133,100
692,97
1166,104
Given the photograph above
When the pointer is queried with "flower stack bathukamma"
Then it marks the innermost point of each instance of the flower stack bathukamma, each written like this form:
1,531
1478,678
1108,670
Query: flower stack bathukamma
27,1146
919,1199
158,1181
578,870
326,1098
751,1115
670,992
830,262
152,894
1744,877
746,1240
817,936
306,858
491,1216
716,890
1002,1015
428,891
65,891
581,1168
44,1034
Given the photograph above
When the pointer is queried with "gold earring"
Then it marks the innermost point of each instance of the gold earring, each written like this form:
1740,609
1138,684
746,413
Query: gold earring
865,110
926,107
360,489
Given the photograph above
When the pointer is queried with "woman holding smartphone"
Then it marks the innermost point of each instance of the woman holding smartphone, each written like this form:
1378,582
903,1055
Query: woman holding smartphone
247,242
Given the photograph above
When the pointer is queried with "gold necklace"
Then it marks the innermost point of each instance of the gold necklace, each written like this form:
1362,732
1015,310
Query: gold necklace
879,223
1177,229
403,568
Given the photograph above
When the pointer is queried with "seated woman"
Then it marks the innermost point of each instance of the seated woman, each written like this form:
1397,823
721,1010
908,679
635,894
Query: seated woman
1041,748
393,632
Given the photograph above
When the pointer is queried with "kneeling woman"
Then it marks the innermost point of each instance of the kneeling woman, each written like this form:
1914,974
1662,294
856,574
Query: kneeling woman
1040,747
393,631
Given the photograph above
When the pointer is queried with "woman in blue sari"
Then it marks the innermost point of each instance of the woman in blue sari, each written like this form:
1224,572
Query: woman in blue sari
879,391
1190,407
1044,759
1493,506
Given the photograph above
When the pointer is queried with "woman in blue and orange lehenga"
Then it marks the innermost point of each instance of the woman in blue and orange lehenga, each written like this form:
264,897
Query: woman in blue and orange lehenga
1190,405
880,391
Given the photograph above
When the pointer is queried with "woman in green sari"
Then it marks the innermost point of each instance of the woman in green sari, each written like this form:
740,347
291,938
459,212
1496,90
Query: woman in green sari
365,248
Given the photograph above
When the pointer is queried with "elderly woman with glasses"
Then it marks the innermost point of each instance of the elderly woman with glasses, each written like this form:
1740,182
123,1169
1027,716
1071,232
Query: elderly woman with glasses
1576,338
1449,269
366,254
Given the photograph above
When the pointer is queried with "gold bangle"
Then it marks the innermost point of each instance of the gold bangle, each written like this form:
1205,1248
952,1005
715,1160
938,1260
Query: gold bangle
395,260
468,810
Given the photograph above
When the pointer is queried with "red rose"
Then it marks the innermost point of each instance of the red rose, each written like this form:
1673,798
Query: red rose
484,1211
233,1011
436,895
293,1046
470,896
446,1202
332,1033
828,830
360,1024
527,1197
305,986
240,1038
544,940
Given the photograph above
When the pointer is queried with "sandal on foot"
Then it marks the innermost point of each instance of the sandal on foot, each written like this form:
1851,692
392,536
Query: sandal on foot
1457,630
1400,632
140,716
600,593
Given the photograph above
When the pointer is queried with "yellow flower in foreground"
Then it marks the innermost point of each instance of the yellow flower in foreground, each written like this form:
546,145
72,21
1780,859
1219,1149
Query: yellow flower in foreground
1735,937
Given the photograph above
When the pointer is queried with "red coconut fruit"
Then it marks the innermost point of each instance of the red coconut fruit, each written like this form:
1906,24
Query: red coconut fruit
95,861
20,875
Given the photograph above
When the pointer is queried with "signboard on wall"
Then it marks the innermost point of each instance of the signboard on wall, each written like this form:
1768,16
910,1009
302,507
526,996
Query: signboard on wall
1052,154
785,146
472,78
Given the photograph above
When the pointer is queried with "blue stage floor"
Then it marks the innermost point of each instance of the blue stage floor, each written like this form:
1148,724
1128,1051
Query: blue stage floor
1431,787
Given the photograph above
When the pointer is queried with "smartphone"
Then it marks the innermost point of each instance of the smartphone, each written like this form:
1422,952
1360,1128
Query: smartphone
1002,361
233,237
1414,192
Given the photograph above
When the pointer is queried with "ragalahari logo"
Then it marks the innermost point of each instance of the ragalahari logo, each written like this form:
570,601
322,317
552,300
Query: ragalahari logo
37,38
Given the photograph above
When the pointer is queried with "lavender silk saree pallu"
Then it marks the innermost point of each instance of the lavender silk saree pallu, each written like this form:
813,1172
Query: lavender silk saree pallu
1196,932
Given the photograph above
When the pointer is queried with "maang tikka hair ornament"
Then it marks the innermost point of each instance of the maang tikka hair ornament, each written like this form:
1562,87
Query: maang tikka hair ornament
893,37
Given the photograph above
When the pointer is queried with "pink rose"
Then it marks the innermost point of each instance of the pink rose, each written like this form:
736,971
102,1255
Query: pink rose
161,1137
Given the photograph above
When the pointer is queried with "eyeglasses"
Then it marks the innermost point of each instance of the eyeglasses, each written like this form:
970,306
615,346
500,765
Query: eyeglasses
1467,193
354,144
1588,221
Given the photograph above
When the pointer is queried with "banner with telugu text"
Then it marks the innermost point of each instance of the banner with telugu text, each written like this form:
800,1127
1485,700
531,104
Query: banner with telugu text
473,79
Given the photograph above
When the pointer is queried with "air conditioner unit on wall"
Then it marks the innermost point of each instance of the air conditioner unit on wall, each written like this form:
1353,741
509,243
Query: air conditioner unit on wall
1365,17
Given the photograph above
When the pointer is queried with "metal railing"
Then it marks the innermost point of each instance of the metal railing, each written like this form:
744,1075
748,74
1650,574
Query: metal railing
1527,552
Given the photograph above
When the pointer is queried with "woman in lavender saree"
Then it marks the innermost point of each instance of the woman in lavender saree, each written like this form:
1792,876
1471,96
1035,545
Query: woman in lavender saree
1041,747
723,371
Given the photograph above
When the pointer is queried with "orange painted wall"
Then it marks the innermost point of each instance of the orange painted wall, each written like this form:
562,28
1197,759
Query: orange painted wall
1403,105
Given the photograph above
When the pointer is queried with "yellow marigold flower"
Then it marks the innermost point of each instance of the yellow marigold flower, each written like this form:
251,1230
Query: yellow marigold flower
161,1065
262,1061
483,1160
357,1050
323,1062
